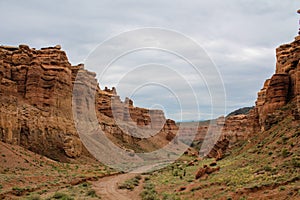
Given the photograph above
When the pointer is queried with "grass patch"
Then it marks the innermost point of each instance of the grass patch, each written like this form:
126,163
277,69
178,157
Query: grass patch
295,162
130,184
85,184
34,197
18,191
170,197
91,193
149,192
62,196
285,153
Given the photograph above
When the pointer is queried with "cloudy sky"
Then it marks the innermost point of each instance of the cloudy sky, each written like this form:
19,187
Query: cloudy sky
239,36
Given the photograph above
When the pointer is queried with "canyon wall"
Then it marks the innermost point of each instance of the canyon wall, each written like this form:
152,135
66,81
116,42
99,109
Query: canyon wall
283,87
279,97
36,88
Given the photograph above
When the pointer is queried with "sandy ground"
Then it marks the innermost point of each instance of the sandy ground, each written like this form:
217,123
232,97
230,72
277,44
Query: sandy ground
107,188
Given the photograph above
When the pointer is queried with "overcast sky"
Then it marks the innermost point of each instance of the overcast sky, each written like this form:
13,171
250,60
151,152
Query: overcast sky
239,36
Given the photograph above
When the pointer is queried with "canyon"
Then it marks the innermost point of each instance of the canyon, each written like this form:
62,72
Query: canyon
36,89
44,98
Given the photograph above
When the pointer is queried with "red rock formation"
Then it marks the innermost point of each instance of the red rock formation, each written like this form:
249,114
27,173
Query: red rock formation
36,105
284,86
36,88
231,129
205,170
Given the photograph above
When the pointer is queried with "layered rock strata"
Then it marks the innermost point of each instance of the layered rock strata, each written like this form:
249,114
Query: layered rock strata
36,88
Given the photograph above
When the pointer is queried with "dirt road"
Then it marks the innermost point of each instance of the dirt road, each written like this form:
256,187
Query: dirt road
107,188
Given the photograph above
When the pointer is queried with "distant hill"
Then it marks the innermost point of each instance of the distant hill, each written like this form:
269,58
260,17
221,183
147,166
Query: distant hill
240,111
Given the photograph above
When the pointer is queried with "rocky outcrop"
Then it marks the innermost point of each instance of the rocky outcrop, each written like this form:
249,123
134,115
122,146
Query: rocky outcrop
284,85
205,171
230,129
36,88
281,90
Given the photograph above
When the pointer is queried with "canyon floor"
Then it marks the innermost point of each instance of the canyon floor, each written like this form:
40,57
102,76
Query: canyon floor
257,157
266,166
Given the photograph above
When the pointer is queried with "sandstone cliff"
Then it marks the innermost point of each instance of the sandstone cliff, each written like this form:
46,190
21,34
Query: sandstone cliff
279,97
36,89
283,87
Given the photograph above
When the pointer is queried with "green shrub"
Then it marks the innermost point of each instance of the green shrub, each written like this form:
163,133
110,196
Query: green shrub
295,162
285,153
267,168
130,184
175,173
170,197
85,184
18,191
62,196
149,192
34,197
91,193
282,188
284,139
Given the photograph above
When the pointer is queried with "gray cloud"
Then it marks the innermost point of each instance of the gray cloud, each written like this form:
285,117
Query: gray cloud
240,36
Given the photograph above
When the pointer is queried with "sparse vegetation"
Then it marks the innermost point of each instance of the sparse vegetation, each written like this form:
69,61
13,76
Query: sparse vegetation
34,197
285,153
47,176
295,162
62,196
149,192
91,193
131,183
18,191
267,168
166,196
269,161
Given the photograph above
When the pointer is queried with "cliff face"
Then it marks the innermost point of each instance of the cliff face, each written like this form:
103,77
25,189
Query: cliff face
232,129
283,87
36,101
36,89
279,97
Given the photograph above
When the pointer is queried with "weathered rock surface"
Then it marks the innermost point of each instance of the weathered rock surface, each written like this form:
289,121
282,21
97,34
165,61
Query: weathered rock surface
205,170
284,85
36,88
281,89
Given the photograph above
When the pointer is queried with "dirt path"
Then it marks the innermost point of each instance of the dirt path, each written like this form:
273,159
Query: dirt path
107,188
